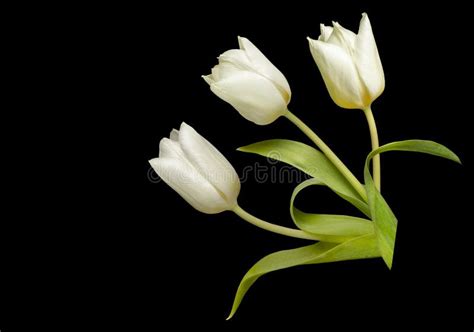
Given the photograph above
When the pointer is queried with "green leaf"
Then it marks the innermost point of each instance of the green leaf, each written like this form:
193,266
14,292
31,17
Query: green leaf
328,227
416,145
310,161
382,215
321,252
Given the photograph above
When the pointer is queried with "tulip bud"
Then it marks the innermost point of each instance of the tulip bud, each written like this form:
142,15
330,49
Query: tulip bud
248,81
349,64
197,171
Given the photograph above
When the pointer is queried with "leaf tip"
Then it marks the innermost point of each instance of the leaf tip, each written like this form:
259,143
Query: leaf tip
452,156
232,312
389,262
457,160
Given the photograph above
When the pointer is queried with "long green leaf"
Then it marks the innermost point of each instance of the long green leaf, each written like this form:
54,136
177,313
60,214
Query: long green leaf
328,227
321,252
416,145
382,215
310,161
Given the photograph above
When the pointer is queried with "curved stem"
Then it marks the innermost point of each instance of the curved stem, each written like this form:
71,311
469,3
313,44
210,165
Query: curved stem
272,227
329,154
374,137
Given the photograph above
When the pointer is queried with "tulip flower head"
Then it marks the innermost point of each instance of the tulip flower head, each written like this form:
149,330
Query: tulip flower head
248,81
197,171
349,64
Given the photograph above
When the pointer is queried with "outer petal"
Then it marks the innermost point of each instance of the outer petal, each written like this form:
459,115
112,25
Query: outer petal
367,60
339,74
263,66
190,185
253,96
212,165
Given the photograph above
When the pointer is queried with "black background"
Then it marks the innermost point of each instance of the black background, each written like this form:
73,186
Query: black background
93,243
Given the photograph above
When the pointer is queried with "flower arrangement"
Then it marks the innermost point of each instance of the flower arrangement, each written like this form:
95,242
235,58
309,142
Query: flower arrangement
353,74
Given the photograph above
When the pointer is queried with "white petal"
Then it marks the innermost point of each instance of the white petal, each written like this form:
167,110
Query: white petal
174,135
212,165
253,96
343,38
325,32
264,67
171,149
238,58
225,70
215,73
367,60
339,74
208,78
190,184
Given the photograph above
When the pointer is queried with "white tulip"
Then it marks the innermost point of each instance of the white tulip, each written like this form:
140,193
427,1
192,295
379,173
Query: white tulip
197,171
248,81
349,64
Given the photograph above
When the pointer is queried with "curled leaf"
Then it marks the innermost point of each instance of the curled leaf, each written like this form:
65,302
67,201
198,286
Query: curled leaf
382,215
322,252
328,227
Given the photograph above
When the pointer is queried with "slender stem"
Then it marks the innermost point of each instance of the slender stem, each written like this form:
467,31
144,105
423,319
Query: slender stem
329,154
374,137
272,227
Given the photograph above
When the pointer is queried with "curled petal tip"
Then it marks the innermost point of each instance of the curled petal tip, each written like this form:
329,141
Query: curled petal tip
153,162
208,79
242,41
310,41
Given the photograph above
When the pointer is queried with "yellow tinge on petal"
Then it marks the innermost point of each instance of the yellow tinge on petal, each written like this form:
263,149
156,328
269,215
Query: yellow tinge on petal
349,64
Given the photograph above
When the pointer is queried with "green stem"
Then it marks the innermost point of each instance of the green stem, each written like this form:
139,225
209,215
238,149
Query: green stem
272,227
329,154
374,137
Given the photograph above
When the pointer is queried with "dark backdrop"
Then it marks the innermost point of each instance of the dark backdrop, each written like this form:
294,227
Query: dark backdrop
109,249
